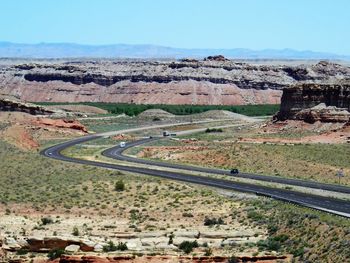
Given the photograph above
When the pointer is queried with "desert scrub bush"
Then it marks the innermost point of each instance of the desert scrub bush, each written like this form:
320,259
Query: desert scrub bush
188,246
122,246
110,247
22,251
55,253
46,220
119,186
208,251
213,221
233,259
256,216
208,130
187,214
309,232
75,231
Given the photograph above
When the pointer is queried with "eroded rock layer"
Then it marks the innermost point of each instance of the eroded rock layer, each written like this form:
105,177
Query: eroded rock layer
316,102
210,81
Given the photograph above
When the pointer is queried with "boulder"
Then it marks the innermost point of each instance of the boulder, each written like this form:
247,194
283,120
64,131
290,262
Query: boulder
11,244
98,248
72,248
153,234
134,244
188,234
40,244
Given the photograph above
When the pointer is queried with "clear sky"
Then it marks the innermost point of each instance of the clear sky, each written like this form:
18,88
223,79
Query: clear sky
318,25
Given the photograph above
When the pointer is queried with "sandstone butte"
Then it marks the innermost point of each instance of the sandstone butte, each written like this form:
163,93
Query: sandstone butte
312,102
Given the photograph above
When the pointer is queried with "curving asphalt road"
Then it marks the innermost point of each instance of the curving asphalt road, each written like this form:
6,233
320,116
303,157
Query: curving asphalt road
331,205
117,153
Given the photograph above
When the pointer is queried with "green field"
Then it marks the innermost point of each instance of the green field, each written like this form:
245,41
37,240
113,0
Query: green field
135,109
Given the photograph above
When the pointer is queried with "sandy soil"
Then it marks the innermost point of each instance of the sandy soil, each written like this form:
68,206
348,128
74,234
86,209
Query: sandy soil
26,131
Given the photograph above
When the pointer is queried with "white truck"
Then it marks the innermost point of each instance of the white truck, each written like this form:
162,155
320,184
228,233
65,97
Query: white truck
122,144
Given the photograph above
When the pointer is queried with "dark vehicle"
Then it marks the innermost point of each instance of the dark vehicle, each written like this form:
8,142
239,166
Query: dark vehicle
234,171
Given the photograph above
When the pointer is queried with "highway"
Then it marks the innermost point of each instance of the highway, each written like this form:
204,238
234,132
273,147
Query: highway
117,153
327,204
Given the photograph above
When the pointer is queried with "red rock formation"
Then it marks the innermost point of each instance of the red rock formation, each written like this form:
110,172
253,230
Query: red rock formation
167,82
61,123
49,243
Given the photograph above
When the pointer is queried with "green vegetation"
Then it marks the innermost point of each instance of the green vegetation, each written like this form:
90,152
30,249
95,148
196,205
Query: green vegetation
317,162
27,177
75,231
55,253
308,235
188,246
233,259
213,221
112,247
208,130
119,186
46,220
135,109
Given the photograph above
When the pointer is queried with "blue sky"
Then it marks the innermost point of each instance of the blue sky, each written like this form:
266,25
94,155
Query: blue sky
317,25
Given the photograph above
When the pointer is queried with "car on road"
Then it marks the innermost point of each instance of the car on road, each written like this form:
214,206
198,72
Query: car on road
122,144
234,171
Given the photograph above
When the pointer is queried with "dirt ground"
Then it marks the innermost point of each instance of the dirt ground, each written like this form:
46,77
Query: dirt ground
26,131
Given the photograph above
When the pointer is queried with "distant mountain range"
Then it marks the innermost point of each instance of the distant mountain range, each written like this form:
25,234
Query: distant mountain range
70,50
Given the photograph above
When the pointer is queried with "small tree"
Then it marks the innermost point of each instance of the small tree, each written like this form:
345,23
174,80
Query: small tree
187,246
46,220
122,246
119,186
75,231
109,247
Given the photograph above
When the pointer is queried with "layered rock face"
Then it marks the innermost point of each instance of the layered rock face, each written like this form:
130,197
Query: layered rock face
214,80
11,105
316,102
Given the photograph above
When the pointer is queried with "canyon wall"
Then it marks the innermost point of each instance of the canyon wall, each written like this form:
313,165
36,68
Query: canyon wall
316,102
214,80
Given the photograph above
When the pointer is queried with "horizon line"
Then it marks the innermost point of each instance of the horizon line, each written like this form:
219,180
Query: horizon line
173,47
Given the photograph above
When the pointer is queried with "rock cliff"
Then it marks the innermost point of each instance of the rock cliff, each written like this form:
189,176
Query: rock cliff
12,105
214,80
316,102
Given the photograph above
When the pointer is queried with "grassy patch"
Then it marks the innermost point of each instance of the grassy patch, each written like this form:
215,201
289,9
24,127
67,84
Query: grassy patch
318,162
308,235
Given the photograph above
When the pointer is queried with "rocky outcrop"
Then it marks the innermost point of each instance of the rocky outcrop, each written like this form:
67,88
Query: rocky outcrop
36,244
216,58
316,102
165,258
11,105
2,251
214,80
61,123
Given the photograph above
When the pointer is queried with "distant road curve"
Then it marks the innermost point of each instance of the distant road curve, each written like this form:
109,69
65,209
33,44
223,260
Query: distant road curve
327,204
117,153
